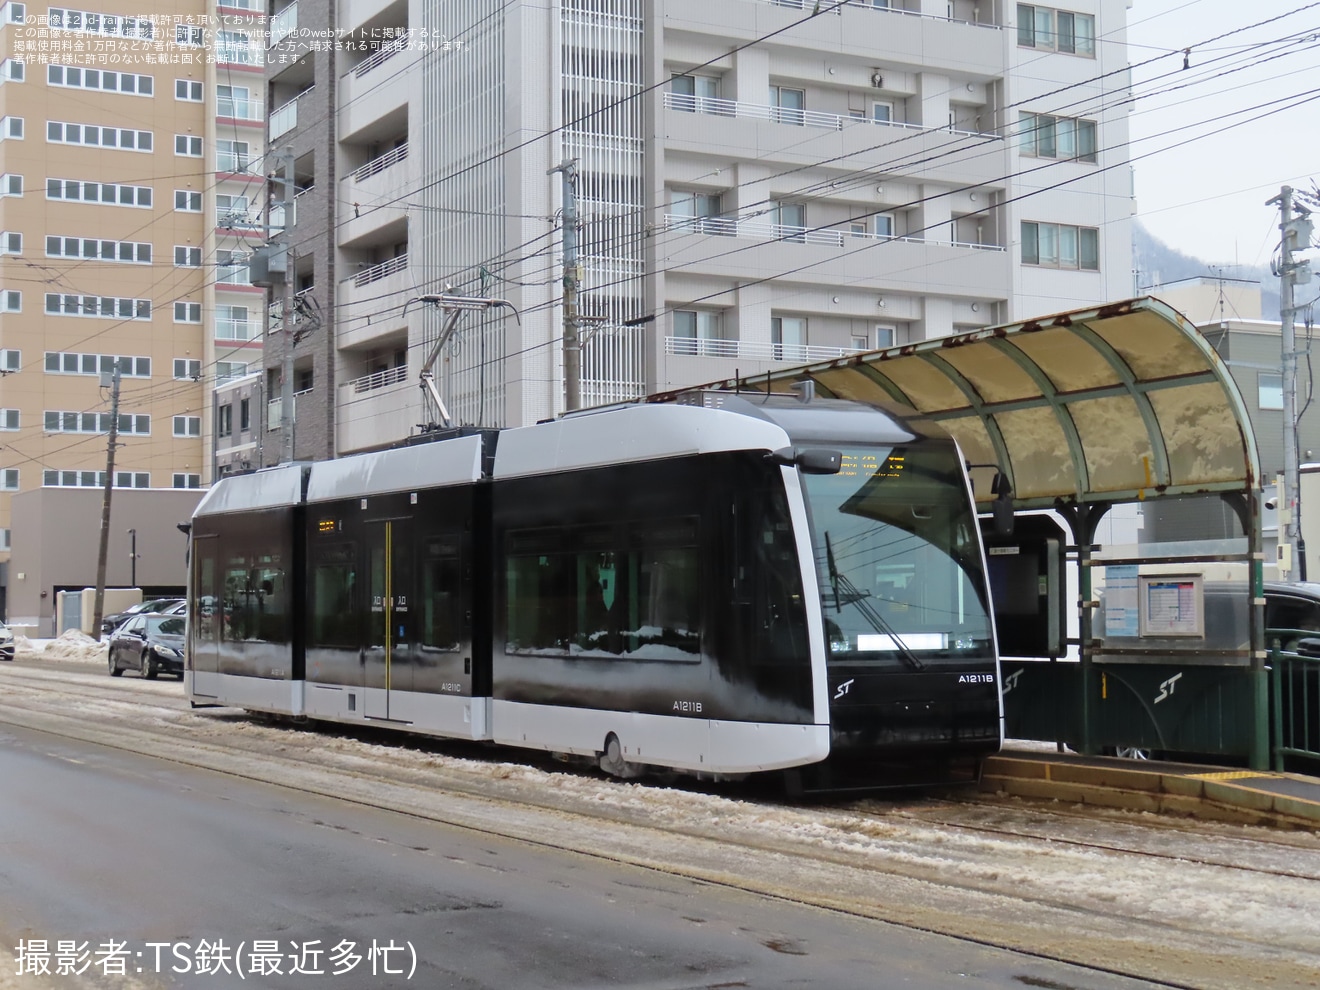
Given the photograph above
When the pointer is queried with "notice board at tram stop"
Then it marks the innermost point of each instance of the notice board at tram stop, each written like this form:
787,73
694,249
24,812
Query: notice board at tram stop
1027,589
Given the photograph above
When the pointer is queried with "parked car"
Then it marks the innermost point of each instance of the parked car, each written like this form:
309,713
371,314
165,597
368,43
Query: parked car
6,642
150,644
110,623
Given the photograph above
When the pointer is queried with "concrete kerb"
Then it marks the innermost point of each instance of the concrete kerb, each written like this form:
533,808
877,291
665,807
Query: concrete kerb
1177,789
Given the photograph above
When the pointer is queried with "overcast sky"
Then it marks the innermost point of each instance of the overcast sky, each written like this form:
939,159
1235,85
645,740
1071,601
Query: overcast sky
1244,122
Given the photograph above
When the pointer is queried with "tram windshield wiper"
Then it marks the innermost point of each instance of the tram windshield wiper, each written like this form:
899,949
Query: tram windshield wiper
852,595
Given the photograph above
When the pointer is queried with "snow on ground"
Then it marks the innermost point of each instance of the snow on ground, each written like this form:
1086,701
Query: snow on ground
71,645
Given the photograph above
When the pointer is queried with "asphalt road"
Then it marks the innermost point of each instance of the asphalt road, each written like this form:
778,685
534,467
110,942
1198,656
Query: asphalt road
99,845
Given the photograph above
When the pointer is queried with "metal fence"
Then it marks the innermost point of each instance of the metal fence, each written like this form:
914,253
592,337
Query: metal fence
1294,697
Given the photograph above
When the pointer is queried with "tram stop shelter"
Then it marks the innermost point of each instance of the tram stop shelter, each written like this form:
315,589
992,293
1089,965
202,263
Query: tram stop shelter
1076,413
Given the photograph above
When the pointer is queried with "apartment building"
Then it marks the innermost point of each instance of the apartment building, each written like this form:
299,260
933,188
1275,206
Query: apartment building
757,182
127,207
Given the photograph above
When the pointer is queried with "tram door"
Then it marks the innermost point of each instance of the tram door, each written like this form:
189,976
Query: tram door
389,629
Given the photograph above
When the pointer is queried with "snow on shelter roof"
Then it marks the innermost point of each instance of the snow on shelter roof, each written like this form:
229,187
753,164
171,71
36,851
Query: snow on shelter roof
1122,402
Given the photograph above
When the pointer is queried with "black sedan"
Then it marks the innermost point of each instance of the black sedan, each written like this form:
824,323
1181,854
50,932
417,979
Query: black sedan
149,644
110,623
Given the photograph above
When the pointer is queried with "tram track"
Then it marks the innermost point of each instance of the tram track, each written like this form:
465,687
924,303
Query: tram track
920,856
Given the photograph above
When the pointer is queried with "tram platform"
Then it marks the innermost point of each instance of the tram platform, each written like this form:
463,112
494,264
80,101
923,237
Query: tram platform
1191,790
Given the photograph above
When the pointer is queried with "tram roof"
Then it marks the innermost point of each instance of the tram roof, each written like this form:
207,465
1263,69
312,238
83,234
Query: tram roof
1122,402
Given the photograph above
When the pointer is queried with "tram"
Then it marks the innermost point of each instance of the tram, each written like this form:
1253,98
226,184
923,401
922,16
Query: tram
729,585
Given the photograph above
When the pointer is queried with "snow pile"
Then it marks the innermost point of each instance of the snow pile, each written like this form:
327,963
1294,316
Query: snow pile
73,644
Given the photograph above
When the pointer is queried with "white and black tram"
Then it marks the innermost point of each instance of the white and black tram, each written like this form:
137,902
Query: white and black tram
750,584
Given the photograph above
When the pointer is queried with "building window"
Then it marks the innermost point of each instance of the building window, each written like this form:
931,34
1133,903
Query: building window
11,301
11,128
187,481
1042,135
1055,30
189,89
227,370
1059,245
188,34
4,539
100,79
9,480
11,242
232,211
1269,390
187,312
11,360
188,202
103,193
790,221
188,146
224,422
788,106
788,338
99,307
11,184
187,369
882,111
93,249
699,331
691,93
245,415
187,257
12,70
97,136
187,426
93,22
72,363
701,212
231,156
130,479
9,419
56,421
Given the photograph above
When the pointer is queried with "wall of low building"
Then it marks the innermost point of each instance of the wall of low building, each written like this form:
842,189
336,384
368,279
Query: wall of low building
56,542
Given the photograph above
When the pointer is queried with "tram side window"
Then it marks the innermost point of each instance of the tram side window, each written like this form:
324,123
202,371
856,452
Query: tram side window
628,592
441,594
206,601
256,600
334,603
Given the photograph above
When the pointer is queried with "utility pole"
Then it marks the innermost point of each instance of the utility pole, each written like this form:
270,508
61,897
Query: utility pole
1296,236
290,276
132,557
98,611
572,279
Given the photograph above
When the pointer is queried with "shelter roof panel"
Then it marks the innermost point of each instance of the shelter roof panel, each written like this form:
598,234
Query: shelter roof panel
1068,366
1117,446
1203,438
1122,401
994,374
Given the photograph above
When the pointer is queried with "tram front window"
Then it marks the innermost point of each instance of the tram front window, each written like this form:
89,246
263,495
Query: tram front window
898,556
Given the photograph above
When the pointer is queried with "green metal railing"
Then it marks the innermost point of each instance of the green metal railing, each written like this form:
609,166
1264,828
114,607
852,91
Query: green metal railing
1295,698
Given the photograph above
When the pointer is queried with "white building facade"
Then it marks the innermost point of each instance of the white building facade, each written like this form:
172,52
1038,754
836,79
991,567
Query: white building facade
758,184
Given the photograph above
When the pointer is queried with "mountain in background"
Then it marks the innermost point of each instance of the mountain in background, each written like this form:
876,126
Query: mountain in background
1158,264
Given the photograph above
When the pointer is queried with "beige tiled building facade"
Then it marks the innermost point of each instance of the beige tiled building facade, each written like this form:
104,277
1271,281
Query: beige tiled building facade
128,204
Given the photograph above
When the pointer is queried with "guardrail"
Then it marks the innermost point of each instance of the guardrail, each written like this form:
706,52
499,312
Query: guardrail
753,350
377,272
281,25
885,8
801,118
764,231
1294,697
380,163
384,54
377,379
284,118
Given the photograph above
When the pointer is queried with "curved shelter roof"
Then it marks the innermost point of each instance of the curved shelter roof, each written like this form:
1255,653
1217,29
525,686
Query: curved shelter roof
1119,403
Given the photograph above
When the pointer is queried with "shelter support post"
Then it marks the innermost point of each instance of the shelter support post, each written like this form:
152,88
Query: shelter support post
1083,520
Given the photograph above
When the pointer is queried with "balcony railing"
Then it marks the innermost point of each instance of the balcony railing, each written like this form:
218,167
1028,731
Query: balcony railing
883,6
282,25
240,109
378,379
753,350
237,329
284,118
238,55
382,56
233,275
377,272
231,161
788,115
275,410
761,230
380,164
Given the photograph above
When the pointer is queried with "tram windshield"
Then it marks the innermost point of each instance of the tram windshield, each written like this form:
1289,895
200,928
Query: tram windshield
898,556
